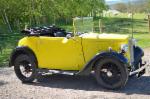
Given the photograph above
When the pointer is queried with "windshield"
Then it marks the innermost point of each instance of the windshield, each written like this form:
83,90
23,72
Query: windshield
83,24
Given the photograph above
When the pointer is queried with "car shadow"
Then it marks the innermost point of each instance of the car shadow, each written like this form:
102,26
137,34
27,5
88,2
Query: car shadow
88,83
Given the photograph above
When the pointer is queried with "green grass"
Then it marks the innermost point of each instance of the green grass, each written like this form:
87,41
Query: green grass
4,57
143,40
7,43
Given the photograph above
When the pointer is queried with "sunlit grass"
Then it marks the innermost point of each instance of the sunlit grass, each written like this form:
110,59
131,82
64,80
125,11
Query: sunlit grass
143,40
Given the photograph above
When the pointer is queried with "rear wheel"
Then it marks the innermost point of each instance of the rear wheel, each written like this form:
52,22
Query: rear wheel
25,68
111,73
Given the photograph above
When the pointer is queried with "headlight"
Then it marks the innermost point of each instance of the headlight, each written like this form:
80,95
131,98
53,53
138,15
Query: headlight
124,47
134,42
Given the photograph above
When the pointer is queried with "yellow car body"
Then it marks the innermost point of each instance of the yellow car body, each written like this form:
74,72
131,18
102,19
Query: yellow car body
61,53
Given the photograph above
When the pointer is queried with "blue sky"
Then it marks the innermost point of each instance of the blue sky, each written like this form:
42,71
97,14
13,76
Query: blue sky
120,0
113,0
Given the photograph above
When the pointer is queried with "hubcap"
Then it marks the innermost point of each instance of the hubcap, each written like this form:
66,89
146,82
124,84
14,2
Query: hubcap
26,69
109,74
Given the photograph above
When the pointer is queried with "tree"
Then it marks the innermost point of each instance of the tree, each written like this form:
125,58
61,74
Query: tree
120,7
18,13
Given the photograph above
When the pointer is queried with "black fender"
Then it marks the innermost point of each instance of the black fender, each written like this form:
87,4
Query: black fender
22,50
90,65
138,54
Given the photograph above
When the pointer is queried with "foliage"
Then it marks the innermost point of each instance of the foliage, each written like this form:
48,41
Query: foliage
18,13
120,7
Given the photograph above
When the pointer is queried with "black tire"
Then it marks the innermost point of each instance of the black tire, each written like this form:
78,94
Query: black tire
111,73
28,64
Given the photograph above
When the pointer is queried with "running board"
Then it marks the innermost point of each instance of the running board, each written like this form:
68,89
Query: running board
50,72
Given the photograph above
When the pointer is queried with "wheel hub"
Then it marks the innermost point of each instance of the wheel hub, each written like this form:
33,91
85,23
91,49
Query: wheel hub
109,74
26,69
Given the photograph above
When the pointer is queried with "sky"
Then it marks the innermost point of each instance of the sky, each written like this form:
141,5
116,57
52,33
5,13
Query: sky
113,0
116,1
119,0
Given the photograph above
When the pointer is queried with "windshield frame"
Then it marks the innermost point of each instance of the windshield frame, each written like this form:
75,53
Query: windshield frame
83,25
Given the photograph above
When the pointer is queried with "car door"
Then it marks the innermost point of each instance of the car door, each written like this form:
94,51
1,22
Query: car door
60,53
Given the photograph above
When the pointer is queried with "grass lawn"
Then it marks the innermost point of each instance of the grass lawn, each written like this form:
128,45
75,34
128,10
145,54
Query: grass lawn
143,40
4,57
7,44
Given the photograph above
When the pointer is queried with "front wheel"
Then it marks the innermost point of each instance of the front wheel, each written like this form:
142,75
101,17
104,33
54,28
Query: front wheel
25,68
111,73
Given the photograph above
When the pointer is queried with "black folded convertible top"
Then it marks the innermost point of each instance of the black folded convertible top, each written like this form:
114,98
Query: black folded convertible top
51,31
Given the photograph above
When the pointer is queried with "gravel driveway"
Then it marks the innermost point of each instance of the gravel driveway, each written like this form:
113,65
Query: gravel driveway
69,87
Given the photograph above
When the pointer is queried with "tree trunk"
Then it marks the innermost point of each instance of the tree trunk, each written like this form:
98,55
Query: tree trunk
18,25
149,22
7,21
4,21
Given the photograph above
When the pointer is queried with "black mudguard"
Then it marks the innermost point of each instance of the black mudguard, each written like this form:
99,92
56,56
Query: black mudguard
21,50
138,54
88,67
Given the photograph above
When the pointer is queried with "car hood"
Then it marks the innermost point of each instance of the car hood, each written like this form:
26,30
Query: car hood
105,36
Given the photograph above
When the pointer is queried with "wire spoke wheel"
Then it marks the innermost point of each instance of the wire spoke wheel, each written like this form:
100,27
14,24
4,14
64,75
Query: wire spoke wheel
25,68
111,73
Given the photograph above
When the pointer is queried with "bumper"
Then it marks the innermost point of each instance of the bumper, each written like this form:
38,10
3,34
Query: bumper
141,71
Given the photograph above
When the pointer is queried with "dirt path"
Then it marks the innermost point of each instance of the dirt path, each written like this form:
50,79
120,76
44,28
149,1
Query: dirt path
69,87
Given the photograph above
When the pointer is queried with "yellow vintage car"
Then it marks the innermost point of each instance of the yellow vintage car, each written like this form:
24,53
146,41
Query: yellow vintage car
112,57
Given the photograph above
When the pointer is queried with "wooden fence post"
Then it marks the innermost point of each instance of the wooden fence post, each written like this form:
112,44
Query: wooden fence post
100,26
149,22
